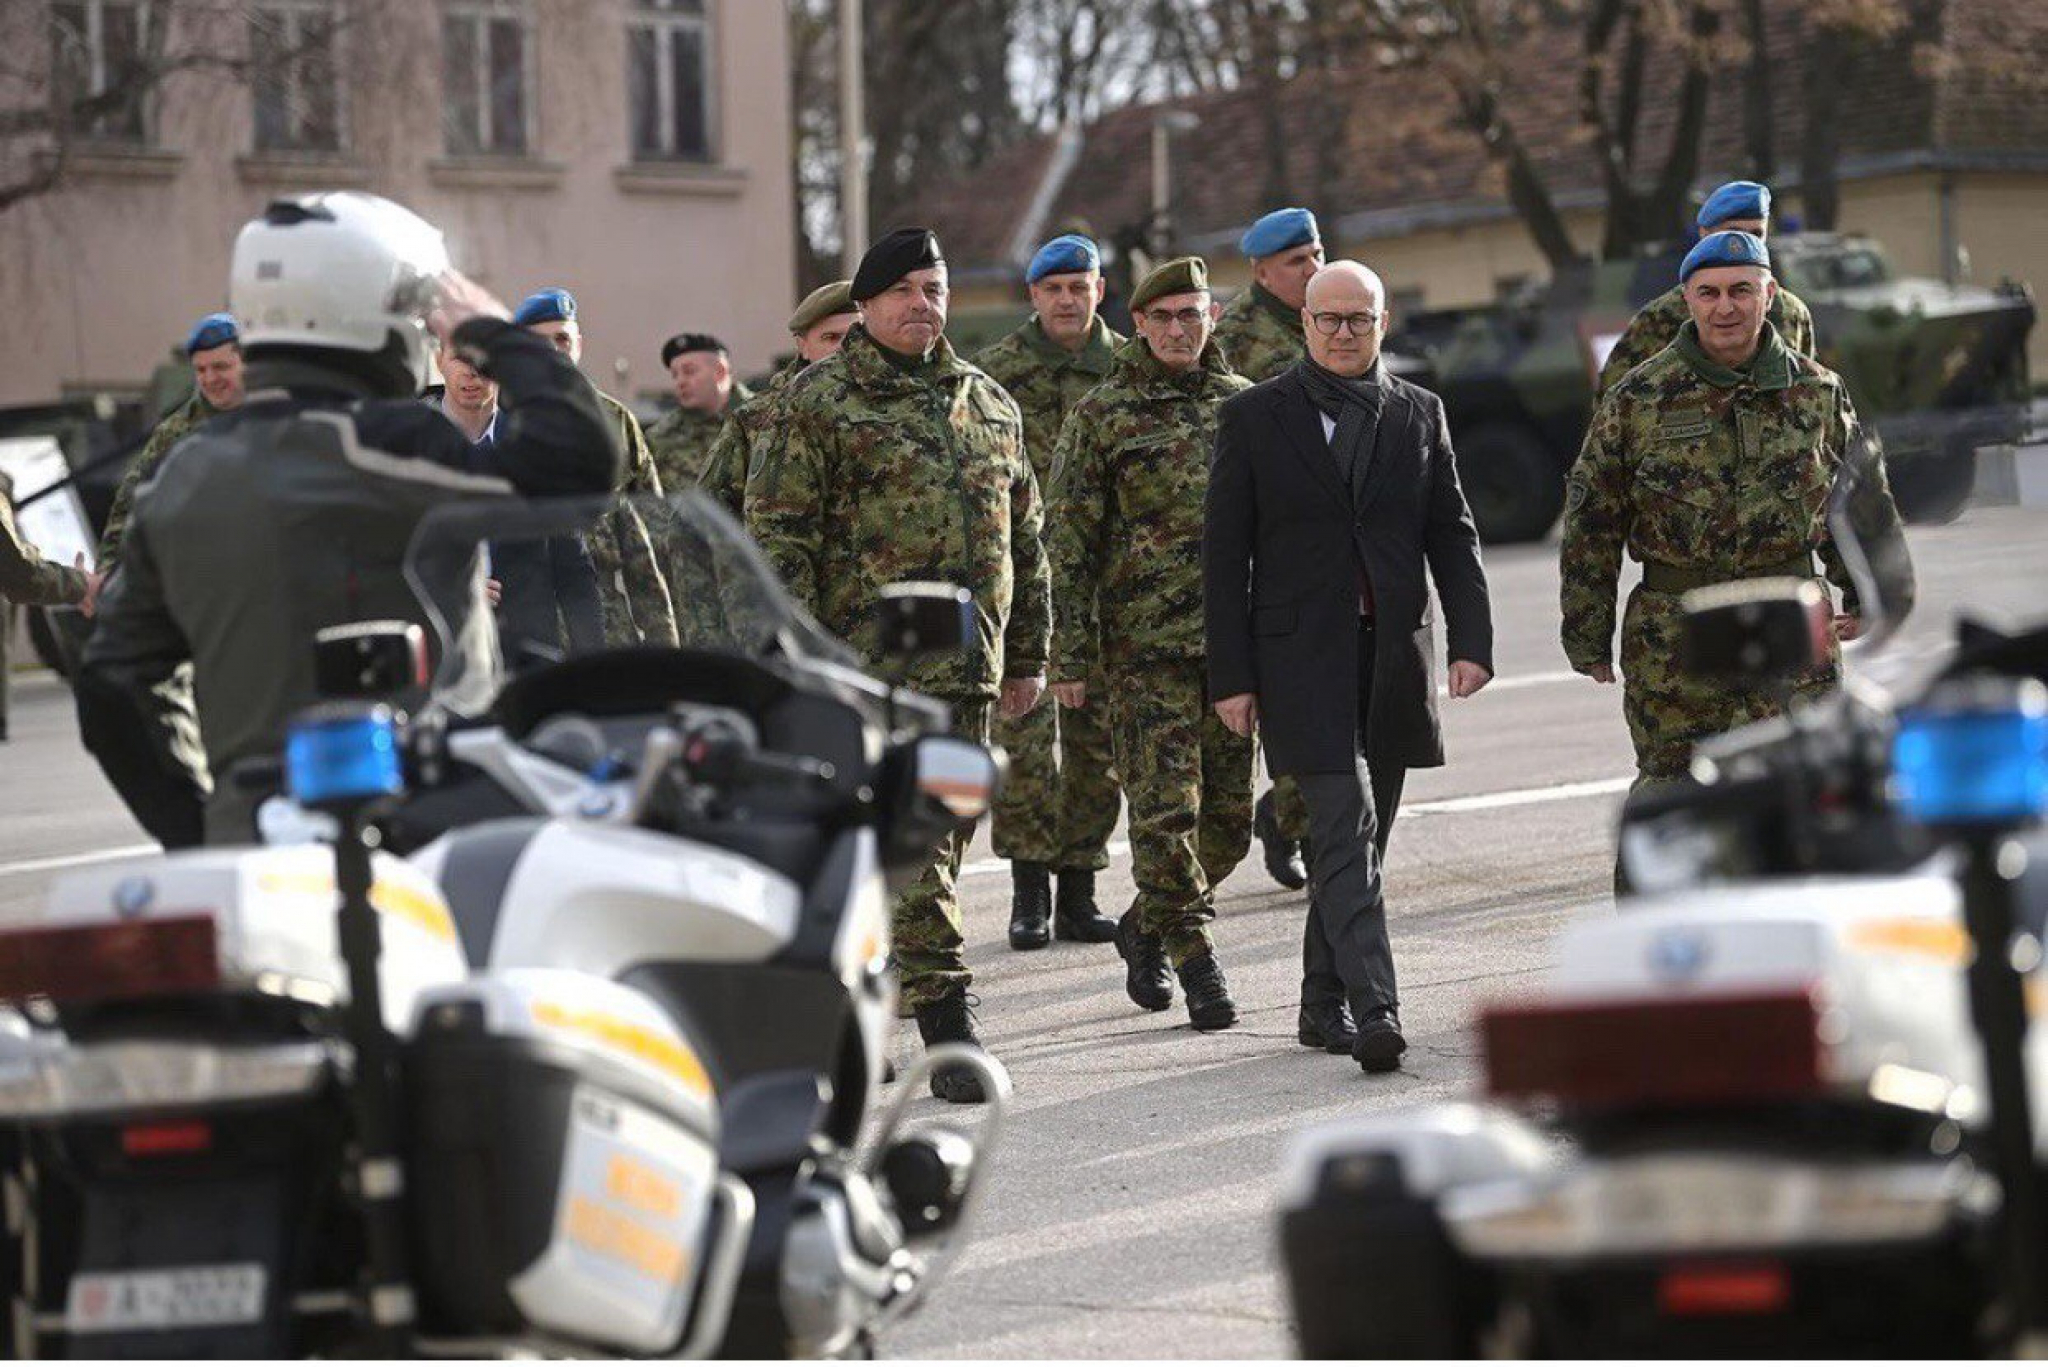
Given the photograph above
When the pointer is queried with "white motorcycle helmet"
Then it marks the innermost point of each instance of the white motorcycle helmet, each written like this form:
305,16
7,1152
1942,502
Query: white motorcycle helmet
343,271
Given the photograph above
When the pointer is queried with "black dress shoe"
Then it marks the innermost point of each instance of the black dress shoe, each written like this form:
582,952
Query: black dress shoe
1146,977
1030,906
1380,1043
1326,1025
1209,1004
1283,856
1075,915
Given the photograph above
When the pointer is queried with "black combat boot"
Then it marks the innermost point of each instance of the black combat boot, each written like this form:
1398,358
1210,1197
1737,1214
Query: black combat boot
1145,974
1380,1042
950,1020
1030,906
1326,1025
1075,916
1283,856
1209,1003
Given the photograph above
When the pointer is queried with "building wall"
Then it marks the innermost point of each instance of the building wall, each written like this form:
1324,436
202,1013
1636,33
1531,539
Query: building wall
105,274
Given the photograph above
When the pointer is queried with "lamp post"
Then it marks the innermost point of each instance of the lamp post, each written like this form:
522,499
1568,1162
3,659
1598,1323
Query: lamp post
1165,123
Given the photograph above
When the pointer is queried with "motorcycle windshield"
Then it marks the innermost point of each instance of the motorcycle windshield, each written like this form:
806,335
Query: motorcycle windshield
1864,525
509,585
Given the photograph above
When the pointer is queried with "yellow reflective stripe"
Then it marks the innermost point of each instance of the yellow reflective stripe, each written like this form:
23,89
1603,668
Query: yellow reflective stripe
422,909
1943,940
660,1051
613,1234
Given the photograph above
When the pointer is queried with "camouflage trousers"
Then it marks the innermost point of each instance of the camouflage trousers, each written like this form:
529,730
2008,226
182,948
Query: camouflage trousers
1188,781
1060,802
1290,809
924,925
1668,711
630,585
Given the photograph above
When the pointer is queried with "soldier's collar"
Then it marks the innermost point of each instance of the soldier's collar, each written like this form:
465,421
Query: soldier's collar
1143,370
872,366
1769,369
1094,357
1275,305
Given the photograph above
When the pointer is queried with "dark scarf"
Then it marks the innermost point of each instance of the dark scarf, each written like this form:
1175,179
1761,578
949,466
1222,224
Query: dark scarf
1354,405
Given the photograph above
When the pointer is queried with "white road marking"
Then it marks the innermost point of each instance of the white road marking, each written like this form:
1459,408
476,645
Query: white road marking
72,861
1445,806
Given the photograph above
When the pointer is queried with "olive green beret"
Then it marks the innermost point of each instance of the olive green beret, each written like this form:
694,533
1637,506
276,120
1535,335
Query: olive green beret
821,303
1182,275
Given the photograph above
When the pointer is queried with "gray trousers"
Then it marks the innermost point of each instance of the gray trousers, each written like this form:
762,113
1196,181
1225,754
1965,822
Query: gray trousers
1344,948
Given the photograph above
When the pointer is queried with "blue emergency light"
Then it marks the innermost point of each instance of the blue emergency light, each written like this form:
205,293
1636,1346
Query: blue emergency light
335,756
1974,753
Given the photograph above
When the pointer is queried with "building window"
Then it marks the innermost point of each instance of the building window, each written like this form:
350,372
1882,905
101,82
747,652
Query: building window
294,75
487,77
668,80
107,48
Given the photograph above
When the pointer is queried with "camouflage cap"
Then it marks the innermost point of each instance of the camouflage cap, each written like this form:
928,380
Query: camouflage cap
1725,249
821,303
1182,275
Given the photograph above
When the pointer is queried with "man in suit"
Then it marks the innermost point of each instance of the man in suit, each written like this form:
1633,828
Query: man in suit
1332,486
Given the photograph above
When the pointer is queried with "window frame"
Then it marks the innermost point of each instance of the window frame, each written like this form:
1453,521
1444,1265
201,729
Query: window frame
479,15
294,13
663,19
95,47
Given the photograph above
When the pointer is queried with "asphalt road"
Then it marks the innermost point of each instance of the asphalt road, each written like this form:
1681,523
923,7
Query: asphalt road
1129,1212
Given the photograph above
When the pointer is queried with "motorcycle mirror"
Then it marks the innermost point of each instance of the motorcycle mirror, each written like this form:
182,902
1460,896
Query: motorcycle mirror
955,779
919,619
1755,631
1863,523
369,660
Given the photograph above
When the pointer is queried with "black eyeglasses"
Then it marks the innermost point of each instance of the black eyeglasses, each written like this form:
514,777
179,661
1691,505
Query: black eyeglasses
1357,324
1189,319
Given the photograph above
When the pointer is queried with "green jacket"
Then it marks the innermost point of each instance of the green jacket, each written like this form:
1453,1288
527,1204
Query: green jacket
1697,466
177,424
885,472
743,436
631,586
1653,327
681,441
1259,335
25,577
1128,490
1047,380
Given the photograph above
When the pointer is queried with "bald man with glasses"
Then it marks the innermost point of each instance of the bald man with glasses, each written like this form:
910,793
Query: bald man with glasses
1333,502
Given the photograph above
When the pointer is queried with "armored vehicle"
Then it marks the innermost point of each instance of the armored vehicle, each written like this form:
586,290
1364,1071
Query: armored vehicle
1937,369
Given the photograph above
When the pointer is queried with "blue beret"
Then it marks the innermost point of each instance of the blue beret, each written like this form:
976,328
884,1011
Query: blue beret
1725,249
1742,199
1065,253
215,329
545,306
1278,231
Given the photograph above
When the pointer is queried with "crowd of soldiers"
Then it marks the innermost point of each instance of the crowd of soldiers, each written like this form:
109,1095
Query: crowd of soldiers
1060,477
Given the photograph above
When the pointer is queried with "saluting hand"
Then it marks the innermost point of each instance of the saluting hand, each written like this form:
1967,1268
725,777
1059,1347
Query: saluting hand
1240,712
458,300
1468,678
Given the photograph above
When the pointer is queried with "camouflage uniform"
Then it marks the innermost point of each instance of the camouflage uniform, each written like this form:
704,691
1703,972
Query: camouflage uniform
1132,473
25,577
887,470
747,430
681,441
1652,329
176,425
1704,474
1060,802
1261,336
630,583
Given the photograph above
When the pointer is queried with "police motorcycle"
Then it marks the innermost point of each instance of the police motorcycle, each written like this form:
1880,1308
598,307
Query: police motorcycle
595,1085
1784,1101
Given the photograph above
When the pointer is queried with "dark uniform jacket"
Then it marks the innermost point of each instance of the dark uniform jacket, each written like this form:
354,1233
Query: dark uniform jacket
291,514
1286,544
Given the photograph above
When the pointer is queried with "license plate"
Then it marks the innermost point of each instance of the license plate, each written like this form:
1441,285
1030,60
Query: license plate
166,1298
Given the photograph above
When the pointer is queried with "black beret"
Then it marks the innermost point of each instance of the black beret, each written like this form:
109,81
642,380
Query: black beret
894,256
689,341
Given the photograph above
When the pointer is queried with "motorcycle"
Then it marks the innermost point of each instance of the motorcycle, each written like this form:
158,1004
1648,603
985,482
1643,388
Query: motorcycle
594,1073
1780,1102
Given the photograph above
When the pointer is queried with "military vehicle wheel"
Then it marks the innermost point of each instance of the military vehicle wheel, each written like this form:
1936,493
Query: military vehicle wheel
1934,487
1512,484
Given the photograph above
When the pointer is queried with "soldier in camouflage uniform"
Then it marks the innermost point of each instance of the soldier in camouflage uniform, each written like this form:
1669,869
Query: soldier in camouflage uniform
1712,461
635,593
1739,206
899,461
1060,802
1260,334
1131,479
681,439
215,350
25,577
818,326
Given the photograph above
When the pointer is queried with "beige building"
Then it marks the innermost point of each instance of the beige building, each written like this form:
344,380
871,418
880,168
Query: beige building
636,152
